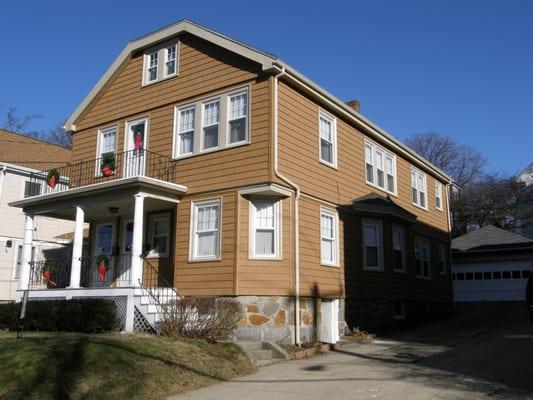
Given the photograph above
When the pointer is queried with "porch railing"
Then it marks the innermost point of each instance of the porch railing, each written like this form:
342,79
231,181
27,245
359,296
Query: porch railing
55,274
106,168
154,283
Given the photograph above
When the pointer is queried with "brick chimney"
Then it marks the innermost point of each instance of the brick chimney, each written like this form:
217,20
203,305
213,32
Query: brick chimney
354,104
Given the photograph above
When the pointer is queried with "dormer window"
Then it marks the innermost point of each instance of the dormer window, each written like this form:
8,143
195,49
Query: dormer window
160,63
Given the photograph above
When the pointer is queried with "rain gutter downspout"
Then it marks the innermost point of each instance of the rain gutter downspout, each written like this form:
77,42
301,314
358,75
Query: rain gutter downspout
296,212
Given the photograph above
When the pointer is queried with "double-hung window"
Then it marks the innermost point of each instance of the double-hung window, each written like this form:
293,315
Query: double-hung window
443,265
329,237
205,241
160,63
170,60
422,258
419,188
107,148
211,119
186,121
265,232
328,139
438,195
238,109
32,188
372,245
159,235
398,248
380,167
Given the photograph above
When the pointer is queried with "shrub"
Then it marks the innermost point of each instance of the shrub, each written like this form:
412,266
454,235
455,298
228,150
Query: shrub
200,318
80,315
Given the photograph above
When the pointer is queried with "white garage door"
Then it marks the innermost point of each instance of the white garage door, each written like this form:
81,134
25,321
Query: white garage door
491,281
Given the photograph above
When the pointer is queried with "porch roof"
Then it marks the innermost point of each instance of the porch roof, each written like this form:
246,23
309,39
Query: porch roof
123,188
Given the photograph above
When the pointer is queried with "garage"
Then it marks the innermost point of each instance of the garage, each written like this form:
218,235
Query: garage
491,264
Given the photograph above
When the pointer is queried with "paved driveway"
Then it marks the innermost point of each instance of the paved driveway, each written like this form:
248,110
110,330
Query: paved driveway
484,353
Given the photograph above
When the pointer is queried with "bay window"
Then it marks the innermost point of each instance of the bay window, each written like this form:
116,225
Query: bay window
422,258
265,228
372,245
205,241
398,249
443,265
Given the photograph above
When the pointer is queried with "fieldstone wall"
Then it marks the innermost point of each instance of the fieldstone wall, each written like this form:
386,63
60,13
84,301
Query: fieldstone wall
271,318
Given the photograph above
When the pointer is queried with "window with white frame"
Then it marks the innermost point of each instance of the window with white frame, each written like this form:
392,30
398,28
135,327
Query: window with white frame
32,188
265,229
443,265
328,139
212,123
419,187
206,230
438,195
238,126
328,237
211,119
159,235
398,248
160,63
107,147
422,258
372,245
185,131
380,167
170,60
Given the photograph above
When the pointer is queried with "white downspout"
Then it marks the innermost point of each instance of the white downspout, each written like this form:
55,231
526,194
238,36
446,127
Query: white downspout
296,212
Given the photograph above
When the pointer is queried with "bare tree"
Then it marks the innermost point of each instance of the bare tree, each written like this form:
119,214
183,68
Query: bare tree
492,200
19,124
462,162
58,136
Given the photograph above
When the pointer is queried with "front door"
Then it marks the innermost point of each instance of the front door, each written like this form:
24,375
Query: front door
135,152
103,252
329,321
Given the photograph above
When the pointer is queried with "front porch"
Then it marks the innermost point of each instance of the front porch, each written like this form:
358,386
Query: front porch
129,251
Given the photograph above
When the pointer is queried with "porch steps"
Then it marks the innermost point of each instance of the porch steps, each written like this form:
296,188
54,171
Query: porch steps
148,306
263,353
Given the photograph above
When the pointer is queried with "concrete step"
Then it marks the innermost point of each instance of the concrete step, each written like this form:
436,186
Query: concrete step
263,355
251,346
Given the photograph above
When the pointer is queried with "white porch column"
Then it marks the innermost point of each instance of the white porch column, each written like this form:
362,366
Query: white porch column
77,246
137,241
24,279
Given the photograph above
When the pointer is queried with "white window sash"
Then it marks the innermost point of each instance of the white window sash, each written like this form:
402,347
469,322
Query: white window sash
170,57
274,226
419,187
238,113
380,168
153,235
378,245
329,137
331,239
183,130
197,232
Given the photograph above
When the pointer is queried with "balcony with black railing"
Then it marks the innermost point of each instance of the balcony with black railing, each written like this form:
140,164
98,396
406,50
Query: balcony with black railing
109,167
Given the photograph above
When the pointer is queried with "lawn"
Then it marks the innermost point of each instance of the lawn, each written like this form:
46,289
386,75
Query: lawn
111,366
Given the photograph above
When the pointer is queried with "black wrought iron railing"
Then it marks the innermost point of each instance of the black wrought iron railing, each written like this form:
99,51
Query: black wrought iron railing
109,167
111,271
158,287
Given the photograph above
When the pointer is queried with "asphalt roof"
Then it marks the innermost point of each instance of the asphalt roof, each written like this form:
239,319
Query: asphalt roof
488,236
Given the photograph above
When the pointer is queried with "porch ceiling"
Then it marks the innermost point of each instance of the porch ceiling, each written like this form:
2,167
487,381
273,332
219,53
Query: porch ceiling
97,199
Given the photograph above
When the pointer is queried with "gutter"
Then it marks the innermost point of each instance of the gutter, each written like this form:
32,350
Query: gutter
367,125
296,211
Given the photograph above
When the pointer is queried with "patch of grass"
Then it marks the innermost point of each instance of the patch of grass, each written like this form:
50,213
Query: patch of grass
111,366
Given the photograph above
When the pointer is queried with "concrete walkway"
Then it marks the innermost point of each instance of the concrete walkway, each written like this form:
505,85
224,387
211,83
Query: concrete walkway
485,353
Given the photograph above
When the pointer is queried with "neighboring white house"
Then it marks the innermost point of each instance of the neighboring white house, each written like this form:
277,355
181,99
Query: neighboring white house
491,264
51,235
526,213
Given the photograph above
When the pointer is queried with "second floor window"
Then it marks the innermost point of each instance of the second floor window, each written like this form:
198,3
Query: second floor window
422,258
328,139
238,108
107,147
205,240
380,168
419,188
438,195
210,125
186,123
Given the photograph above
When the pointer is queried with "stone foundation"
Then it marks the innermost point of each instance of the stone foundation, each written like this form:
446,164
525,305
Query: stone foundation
271,318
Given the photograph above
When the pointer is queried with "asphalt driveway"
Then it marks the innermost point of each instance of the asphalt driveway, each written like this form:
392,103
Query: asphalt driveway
484,353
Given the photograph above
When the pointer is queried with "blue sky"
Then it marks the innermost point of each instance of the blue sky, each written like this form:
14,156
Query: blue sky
463,68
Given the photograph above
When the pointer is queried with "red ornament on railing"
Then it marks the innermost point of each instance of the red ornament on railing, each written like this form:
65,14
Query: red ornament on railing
47,275
102,263
107,171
